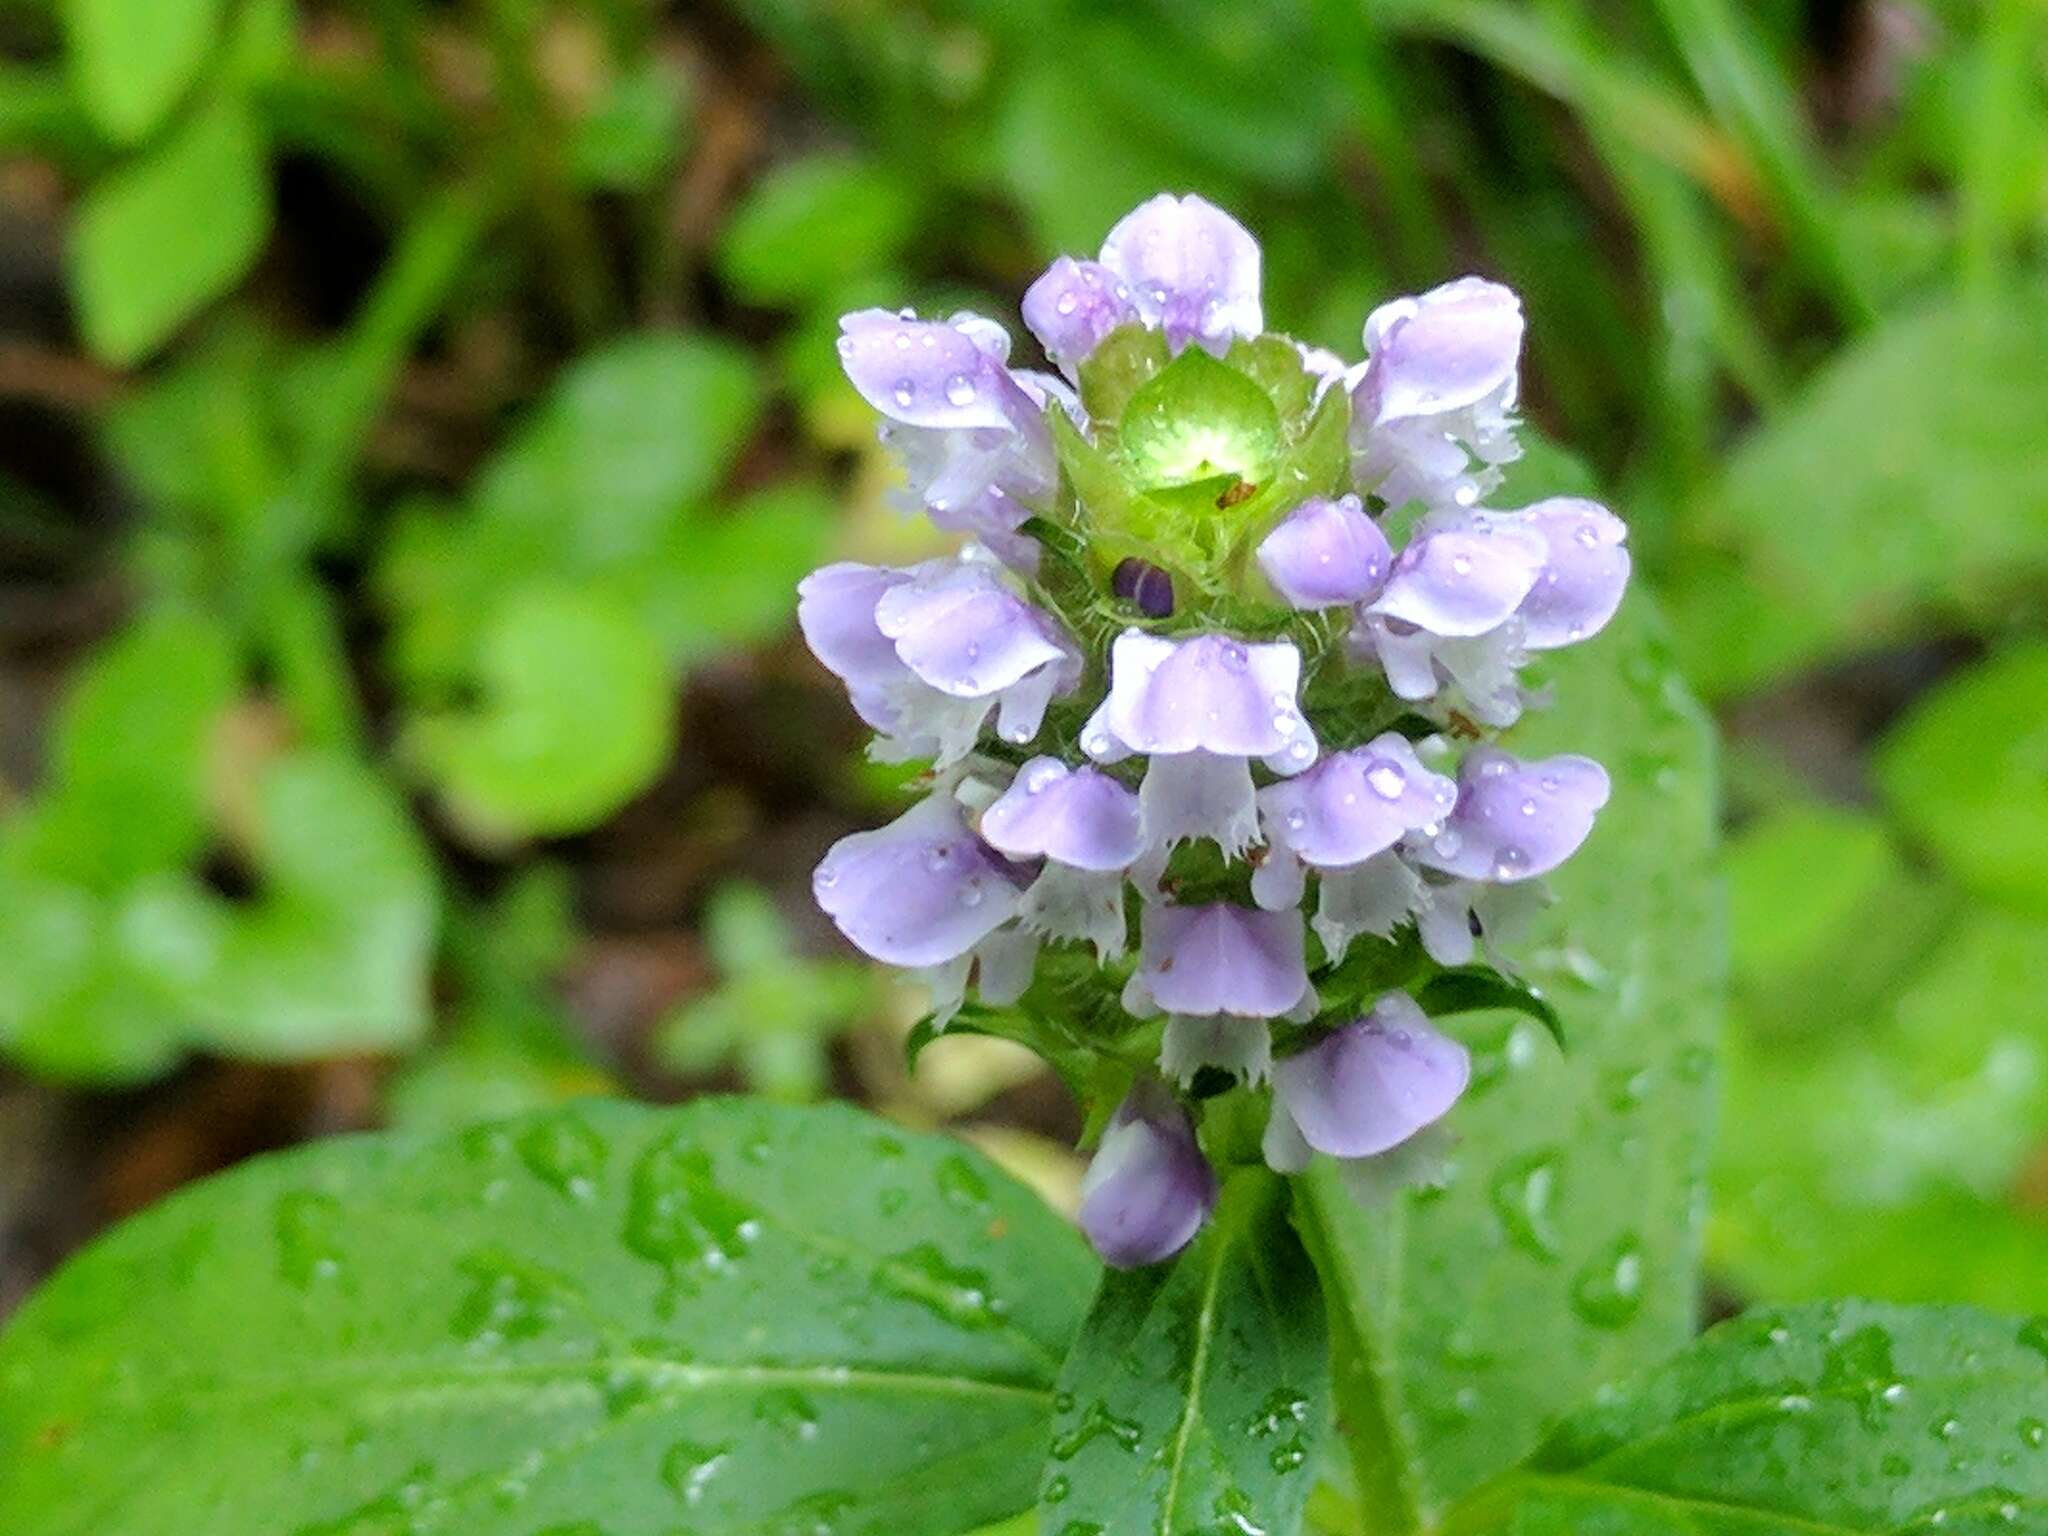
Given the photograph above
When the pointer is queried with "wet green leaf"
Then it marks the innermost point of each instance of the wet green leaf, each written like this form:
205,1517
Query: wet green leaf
730,1317
1841,1418
1563,1252
1197,1397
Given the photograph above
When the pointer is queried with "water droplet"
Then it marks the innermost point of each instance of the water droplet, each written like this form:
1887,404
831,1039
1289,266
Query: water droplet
960,1186
508,1301
1588,539
1066,303
1509,862
1056,1491
1097,1422
1608,1292
565,1154
1522,1194
960,390
1447,843
309,1246
1528,807
789,1413
1386,780
959,1295
688,1468
678,1217
903,393
2034,1335
1461,565
2033,1432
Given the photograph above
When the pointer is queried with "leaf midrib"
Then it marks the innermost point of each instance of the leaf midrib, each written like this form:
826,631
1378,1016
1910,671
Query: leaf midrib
676,1380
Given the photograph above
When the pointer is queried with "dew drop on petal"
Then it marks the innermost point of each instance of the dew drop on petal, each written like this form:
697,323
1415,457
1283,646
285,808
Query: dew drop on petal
1386,780
960,390
903,393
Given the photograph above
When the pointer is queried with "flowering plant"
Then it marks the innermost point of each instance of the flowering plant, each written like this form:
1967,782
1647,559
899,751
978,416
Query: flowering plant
1180,682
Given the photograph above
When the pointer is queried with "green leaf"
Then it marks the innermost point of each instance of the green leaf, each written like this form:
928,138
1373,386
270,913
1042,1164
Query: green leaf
1798,879
1843,1418
728,580
1901,484
629,439
1563,1252
575,718
126,785
1197,1396
1967,774
730,1317
334,954
1071,163
634,131
1884,1149
170,231
132,59
811,223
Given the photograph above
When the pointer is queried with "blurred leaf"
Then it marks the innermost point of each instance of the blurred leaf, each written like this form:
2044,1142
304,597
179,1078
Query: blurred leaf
627,440
1846,1418
773,1011
1197,1397
810,224
727,579
1966,773
634,132
125,792
1828,921
1563,1253
1903,480
607,1315
1796,882
1222,83
87,992
1878,1152
1072,165
481,1072
170,231
132,59
574,719
333,954
603,487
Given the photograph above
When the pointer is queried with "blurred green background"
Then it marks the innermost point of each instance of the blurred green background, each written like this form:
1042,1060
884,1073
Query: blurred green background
414,418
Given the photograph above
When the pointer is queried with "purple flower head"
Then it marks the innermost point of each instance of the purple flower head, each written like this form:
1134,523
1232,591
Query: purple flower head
1077,816
1585,570
922,891
1463,574
1514,820
1438,390
1348,808
1149,1189
970,432
1219,959
1475,591
1210,693
1366,1088
1179,265
926,652
1326,554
